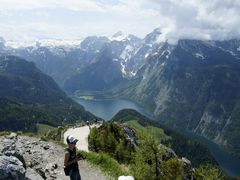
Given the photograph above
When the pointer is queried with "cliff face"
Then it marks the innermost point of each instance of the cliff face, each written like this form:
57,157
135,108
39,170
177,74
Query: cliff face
195,87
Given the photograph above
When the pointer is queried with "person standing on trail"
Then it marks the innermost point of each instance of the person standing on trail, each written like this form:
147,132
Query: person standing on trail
71,158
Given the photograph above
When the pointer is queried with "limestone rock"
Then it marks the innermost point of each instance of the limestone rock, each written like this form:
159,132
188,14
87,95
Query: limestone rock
11,168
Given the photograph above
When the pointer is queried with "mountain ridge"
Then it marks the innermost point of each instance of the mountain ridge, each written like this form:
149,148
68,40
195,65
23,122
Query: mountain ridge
164,77
28,97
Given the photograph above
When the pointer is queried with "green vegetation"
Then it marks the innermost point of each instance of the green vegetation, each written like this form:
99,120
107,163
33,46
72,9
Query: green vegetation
183,146
29,97
4,133
172,169
148,159
43,129
55,134
208,172
157,133
106,163
86,97
111,139
93,94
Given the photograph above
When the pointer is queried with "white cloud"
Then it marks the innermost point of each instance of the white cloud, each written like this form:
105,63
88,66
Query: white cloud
197,19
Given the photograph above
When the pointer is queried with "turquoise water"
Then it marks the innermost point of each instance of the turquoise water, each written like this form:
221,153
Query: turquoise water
106,109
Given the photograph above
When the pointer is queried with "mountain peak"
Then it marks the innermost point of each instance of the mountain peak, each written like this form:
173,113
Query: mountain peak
119,36
153,36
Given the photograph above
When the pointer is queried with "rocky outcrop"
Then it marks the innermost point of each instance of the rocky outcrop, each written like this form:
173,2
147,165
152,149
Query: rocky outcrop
30,158
130,135
11,168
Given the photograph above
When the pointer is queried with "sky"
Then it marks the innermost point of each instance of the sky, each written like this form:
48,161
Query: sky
75,19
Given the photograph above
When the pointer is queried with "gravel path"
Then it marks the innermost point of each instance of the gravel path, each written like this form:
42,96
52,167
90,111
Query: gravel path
81,133
87,171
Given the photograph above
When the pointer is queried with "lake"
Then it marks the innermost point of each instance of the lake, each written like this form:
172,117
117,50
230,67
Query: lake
106,109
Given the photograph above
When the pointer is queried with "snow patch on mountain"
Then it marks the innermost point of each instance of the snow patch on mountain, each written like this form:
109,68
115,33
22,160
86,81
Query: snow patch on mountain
123,69
126,54
146,55
238,49
199,56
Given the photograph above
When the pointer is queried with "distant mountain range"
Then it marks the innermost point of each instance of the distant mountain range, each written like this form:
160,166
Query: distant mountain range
28,97
192,85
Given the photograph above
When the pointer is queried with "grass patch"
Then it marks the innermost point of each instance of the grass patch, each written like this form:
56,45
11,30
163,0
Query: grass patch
86,97
107,164
4,133
156,132
43,128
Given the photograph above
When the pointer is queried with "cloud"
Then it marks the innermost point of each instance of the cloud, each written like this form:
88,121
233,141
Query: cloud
199,19
177,19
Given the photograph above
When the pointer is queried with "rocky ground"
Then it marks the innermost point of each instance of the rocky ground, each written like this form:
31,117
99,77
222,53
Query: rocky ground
30,158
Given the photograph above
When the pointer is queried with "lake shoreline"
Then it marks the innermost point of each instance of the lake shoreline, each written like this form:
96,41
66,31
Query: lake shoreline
107,108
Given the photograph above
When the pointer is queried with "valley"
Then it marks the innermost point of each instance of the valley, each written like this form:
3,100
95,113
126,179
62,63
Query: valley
107,108
191,86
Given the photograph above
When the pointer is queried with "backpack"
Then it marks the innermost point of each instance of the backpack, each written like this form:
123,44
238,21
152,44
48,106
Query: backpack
67,170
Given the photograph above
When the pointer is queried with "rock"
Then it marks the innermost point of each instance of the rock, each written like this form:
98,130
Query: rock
187,168
131,135
41,173
8,145
12,136
46,147
186,162
34,162
11,168
17,154
32,175
169,154
35,143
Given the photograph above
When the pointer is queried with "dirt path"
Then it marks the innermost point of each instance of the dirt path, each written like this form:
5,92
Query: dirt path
87,171
81,133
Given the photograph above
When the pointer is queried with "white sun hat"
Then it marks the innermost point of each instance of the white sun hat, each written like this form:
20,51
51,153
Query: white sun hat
71,139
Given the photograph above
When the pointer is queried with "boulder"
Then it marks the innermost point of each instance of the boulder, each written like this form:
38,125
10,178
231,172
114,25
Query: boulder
17,154
11,168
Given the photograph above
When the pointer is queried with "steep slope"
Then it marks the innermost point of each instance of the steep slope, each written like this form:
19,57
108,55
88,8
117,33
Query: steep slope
102,74
28,96
183,146
59,61
196,87
65,63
